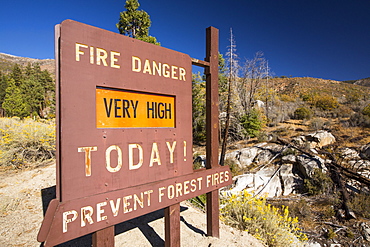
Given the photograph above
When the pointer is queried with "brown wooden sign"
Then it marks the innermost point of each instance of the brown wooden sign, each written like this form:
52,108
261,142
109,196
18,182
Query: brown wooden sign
125,112
124,134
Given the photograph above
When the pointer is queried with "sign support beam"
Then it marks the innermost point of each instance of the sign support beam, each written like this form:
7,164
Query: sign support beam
212,128
103,238
172,225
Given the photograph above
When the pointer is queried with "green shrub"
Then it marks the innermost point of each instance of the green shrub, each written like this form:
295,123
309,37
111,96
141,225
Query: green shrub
343,111
262,137
326,102
197,165
289,151
317,123
302,113
273,226
199,109
330,234
234,168
26,142
353,96
359,120
309,97
199,132
320,183
360,204
287,98
253,122
199,201
366,110
301,209
282,131
349,233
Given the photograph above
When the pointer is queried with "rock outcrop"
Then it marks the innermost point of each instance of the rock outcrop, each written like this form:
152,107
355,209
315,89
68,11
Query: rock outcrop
365,152
274,170
318,139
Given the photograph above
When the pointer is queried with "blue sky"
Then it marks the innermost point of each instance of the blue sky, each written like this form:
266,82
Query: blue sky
327,39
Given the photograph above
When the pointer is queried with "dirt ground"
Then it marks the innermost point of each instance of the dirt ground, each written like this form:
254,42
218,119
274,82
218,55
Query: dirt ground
21,214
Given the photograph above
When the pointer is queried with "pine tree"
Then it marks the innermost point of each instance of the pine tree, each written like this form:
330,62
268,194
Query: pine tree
135,23
14,103
29,92
43,85
222,83
3,86
17,74
199,109
33,95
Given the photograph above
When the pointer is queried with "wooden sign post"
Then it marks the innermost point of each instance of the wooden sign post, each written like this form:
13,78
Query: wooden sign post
212,128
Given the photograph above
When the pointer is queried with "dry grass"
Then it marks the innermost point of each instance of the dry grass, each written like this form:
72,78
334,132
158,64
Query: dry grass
25,143
352,137
346,136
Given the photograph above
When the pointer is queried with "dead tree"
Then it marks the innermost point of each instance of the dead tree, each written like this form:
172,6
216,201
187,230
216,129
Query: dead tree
233,68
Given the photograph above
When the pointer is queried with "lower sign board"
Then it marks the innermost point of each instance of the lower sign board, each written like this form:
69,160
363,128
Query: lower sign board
82,216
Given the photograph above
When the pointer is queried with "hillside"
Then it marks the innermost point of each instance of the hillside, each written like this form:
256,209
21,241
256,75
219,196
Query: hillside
7,61
298,86
361,82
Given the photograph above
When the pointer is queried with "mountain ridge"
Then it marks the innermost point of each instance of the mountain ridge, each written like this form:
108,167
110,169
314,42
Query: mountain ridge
361,82
7,61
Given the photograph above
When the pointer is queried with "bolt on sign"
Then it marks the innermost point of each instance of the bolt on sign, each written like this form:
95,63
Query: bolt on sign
124,133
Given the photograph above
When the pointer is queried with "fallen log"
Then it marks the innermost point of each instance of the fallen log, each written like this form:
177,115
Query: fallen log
345,171
335,175
348,172
337,178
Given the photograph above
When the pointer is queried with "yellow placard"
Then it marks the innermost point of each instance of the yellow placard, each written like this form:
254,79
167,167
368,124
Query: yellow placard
117,108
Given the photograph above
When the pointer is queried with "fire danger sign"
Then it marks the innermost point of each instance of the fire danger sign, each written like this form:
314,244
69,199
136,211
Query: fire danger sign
124,133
